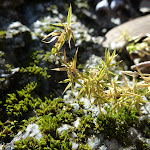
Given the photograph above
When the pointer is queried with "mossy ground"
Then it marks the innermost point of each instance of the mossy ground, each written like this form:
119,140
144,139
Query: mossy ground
51,115
17,104
53,112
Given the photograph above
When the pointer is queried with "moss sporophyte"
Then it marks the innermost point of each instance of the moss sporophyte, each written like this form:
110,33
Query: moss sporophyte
95,81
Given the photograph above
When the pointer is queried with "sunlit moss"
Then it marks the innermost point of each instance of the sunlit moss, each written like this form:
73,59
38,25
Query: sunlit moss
117,125
20,103
2,34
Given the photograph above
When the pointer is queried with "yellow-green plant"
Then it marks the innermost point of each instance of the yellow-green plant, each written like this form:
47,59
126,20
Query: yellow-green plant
96,80
67,34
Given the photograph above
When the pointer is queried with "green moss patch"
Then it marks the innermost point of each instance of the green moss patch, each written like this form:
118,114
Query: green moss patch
117,125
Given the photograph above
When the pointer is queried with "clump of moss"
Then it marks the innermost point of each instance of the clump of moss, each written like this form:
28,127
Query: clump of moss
8,129
141,145
84,147
117,125
51,113
48,142
18,104
144,126
85,129
28,143
2,33
34,68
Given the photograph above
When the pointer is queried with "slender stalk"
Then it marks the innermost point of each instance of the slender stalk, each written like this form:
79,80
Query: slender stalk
141,65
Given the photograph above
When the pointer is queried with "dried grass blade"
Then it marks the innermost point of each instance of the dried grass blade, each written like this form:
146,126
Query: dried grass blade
81,91
60,69
51,34
60,39
53,39
67,87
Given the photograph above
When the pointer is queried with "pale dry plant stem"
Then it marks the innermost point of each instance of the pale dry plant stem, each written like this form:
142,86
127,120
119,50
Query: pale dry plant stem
141,65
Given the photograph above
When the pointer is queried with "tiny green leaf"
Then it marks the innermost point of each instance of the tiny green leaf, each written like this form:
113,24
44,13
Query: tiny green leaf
75,59
53,39
69,15
51,34
67,87
60,69
59,24
62,43
65,81
81,91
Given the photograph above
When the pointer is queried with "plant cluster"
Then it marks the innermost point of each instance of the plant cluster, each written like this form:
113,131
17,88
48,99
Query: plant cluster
117,126
18,106
100,83
95,81
52,114
111,126
85,129
21,102
8,129
34,67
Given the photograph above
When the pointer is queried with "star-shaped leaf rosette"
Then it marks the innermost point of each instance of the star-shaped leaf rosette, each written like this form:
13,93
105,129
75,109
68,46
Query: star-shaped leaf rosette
67,34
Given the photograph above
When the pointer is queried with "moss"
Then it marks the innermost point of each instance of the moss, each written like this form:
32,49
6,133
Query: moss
21,102
46,143
50,106
29,143
36,70
52,113
144,127
117,125
140,145
84,147
8,68
9,129
51,116
2,34
80,112
56,112
46,57
85,129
